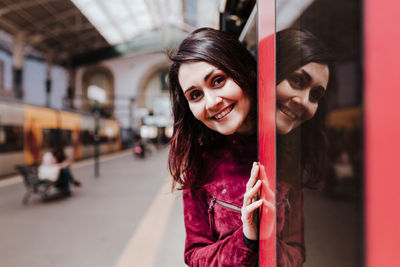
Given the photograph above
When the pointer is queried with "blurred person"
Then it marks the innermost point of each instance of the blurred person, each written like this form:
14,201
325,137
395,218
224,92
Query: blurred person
56,167
32,142
139,148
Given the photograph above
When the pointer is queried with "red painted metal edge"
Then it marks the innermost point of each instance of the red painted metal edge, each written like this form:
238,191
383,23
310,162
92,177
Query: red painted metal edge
382,135
266,104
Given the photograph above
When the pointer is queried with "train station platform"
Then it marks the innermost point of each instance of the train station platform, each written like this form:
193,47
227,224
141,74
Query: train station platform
129,217
125,217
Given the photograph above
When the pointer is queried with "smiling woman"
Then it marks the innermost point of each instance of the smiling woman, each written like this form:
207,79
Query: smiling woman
304,68
214,148
214,98
297,96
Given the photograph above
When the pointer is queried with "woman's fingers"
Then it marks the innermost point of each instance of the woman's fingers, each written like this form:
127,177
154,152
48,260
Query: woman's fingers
251,193
249,209
253,175
251,204
269,205
249,220
268,192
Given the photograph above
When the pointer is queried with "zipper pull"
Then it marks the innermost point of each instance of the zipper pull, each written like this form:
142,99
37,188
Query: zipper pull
284,200
213,200
211,214
288,203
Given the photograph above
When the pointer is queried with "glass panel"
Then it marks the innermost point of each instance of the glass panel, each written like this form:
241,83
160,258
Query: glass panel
319,133
11,138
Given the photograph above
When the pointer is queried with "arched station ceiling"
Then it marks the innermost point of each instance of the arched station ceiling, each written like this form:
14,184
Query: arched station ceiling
75,32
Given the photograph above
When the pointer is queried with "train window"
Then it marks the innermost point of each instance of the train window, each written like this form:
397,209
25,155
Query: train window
11,138
55,137
87,137
46,141
66,137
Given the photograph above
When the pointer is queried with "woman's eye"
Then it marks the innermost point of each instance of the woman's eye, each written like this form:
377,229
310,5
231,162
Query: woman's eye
195,94
296,81
218,81
316,94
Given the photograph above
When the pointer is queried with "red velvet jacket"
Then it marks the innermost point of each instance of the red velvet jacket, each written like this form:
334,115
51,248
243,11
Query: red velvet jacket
214,234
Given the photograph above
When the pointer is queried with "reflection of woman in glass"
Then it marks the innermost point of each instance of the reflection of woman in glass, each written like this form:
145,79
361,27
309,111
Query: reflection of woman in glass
214,147
303,67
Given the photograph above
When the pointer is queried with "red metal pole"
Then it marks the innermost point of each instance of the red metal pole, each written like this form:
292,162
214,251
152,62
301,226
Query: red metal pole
382,132
266,105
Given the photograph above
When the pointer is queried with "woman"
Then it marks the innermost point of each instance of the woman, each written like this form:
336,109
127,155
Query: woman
213,89
214,149
303,71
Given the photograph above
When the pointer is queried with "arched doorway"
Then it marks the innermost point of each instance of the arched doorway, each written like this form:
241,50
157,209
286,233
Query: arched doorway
103,78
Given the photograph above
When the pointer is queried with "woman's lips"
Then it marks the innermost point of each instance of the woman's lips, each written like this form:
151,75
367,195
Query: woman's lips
288,112
223,113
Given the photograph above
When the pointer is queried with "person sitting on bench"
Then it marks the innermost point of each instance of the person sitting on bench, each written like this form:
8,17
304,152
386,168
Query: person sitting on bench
56,167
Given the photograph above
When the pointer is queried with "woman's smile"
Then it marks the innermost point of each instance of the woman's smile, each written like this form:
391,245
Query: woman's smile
221,115
288,112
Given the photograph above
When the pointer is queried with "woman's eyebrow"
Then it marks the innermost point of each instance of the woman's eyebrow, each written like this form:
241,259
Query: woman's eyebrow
309,78
188,89
306,75
208,75
205,79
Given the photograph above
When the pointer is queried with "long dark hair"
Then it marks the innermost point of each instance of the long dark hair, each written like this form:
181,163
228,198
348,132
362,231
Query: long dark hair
59,153
191,138
296,48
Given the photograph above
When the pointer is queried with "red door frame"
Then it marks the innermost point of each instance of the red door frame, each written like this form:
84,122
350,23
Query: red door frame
266,110
382,132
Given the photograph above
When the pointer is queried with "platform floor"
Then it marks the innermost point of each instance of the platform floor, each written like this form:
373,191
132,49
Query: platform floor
128,217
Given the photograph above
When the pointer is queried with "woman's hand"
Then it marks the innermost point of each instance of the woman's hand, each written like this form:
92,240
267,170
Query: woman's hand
251,204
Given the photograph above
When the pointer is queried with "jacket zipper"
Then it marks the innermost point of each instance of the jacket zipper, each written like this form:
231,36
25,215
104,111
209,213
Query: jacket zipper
284,200
224,204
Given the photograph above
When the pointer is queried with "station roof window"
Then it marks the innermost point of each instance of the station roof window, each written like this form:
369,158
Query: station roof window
120,21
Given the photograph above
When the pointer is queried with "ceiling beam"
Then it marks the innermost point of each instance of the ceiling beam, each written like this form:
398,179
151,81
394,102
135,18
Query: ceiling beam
61,16
10,27
14,7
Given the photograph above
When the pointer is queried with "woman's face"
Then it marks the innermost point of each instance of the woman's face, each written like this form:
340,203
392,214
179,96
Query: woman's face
214,98
298,94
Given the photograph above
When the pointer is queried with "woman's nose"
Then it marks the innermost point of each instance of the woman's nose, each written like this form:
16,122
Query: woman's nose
302,99
212,101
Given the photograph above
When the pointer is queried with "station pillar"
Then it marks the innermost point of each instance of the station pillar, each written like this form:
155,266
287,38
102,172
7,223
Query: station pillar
18,62
71,87
49,63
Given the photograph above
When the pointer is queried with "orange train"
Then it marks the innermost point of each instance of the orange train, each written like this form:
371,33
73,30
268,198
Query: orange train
26,132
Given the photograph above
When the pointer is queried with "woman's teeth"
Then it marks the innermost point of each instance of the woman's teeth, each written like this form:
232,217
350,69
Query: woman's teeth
288,112
223,113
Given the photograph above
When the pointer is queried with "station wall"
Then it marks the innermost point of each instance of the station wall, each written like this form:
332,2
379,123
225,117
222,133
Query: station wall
34,81
130,73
